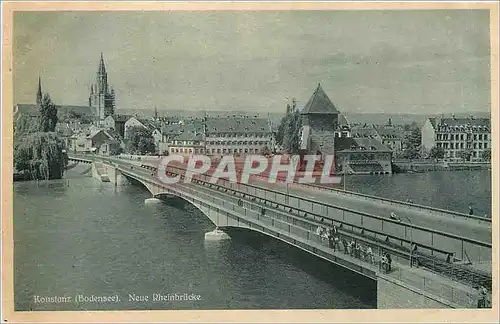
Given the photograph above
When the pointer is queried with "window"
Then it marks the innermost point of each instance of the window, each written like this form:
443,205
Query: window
475,137
462,137
480,137
461,145
475,145
485,145
485,137
480,145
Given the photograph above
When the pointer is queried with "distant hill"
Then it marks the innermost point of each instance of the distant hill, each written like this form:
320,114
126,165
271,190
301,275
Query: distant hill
360,118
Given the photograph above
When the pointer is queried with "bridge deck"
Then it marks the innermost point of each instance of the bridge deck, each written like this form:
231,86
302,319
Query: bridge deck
464,227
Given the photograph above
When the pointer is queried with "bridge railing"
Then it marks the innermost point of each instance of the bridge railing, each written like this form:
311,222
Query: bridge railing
391,202
457,245
306,231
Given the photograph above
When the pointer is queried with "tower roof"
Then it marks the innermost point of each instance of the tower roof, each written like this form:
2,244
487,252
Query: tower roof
102,67
39,91
319,103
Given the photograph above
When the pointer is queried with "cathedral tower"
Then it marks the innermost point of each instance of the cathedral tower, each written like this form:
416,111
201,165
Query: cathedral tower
102,97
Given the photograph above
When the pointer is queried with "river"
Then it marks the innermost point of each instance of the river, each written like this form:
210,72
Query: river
90,238
450,190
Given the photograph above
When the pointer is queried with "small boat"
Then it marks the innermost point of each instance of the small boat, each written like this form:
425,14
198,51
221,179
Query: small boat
216,234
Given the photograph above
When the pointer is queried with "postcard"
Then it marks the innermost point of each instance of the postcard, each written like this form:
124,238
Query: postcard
249,162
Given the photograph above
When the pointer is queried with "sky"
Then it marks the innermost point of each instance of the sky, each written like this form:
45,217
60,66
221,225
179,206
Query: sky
423,62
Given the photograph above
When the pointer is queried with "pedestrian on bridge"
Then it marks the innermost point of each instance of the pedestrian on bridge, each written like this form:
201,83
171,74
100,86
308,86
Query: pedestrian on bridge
336,243
369,255
358,249
351,247
389,262
471,211
384,263
346,248
481,302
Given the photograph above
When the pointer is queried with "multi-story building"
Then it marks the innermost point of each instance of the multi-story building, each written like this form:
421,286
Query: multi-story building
389,136
457,135
117,122
237,135
188,142
362,156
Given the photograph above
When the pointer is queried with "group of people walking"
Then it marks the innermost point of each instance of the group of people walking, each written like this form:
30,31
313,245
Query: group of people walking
352,248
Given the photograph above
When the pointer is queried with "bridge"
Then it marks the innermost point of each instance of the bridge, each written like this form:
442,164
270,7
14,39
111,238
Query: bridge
453,250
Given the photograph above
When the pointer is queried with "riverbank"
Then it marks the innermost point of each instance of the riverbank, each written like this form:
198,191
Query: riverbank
426,166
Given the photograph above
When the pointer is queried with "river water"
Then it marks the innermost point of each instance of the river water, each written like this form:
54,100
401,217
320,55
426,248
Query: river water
89,238
450,190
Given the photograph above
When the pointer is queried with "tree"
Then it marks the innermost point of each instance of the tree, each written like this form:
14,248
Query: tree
281,127
140,140
47,118
486,155
40,154
297,130
437,153
465,155
412,141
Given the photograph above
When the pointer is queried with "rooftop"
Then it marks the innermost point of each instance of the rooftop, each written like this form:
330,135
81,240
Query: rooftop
359,144
237,125
462,124
319,103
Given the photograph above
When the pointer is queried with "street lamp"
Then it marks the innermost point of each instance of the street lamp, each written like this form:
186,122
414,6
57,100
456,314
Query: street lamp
393,216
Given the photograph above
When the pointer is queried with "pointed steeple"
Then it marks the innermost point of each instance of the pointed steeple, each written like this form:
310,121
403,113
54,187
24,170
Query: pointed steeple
102,67
39,92
156,113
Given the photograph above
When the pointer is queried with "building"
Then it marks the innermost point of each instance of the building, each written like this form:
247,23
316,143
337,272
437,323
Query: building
150,125
117,122
457,135
362,156
343,128
101,141
102,96
391,136
319,123
237,135
188,142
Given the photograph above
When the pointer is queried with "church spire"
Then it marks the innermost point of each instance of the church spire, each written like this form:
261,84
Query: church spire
39,92
102,67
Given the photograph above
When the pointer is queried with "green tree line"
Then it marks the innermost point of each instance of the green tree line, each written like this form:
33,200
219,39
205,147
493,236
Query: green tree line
288,134
38,151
